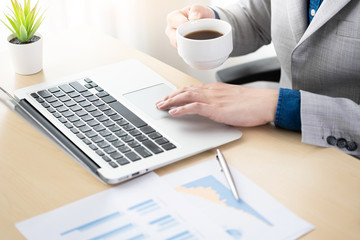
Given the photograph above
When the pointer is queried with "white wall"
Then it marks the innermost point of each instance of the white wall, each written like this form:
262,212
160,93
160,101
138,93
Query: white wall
139,23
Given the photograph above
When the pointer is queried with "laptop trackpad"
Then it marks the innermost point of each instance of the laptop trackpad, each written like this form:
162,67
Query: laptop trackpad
146,98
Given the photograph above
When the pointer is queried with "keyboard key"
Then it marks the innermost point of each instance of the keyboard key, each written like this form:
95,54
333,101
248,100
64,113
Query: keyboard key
75,108
103,144
79,99
74,130
59,94
44,93
51,110
91,134
92,98
106,158
79,123
87,93
108,123
122,122
113,164
62,109
40,100
79,135
110,112
132,156
102,118
99,103
135,132
105,133
109,150
93,147
81,113
121,133
87,118
128,127
168,146
152,146
161,141
111,138
85,104
34,95
62,120
117,143
147,129
88,80
64,98
116,117
56,114
143,152
90,108
133,144
141,138
96,113
51,99
114,128
93,123
99,128
122,161
116,155
67,113
70,103
77,86
155,135
97,139
54,90
55,104
87,141
73,94
102,94
109,99
100,153
73,119
66,88
127,138
84,128
45,105
124,149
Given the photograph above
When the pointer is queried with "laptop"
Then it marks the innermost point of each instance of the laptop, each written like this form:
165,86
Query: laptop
107,120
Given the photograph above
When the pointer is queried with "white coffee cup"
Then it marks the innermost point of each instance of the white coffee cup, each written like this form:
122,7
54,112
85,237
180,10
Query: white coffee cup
204,54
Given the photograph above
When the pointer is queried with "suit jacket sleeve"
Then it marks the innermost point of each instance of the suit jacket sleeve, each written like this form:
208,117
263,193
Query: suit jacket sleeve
323,117
250,20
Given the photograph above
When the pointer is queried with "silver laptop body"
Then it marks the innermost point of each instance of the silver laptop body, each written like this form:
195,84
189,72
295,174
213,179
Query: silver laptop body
129,145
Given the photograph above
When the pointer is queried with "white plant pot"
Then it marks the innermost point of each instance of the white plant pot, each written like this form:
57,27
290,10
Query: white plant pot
27,58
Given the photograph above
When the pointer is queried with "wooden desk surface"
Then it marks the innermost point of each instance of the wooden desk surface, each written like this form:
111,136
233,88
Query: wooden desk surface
318,184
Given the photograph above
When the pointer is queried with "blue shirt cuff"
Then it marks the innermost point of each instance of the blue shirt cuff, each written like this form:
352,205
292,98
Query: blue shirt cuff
215,12
288,110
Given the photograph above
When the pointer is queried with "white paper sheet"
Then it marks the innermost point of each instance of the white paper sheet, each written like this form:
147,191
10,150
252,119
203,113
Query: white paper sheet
256,216
144,208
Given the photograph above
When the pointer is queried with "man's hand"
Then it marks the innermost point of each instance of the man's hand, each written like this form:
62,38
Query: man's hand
230,104
178,17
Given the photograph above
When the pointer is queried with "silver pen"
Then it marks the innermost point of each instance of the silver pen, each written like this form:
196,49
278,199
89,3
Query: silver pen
227,173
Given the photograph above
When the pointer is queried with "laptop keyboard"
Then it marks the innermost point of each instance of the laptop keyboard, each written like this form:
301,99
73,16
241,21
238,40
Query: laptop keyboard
106,126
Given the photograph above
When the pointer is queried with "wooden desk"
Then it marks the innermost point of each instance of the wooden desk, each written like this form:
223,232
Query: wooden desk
318,184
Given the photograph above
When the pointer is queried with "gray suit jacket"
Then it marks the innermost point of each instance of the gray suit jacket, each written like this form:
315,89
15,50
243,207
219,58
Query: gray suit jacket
321,59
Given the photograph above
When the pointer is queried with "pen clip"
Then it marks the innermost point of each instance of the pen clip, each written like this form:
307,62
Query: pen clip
218,160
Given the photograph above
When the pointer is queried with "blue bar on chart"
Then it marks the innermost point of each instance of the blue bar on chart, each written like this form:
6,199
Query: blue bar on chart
93,223
145,207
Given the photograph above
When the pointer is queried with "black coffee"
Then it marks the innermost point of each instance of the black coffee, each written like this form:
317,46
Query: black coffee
203,35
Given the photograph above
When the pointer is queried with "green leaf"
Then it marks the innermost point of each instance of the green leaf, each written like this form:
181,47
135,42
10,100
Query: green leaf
8,27
23,34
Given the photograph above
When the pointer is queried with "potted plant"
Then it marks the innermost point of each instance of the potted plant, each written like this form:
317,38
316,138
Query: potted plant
25,47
